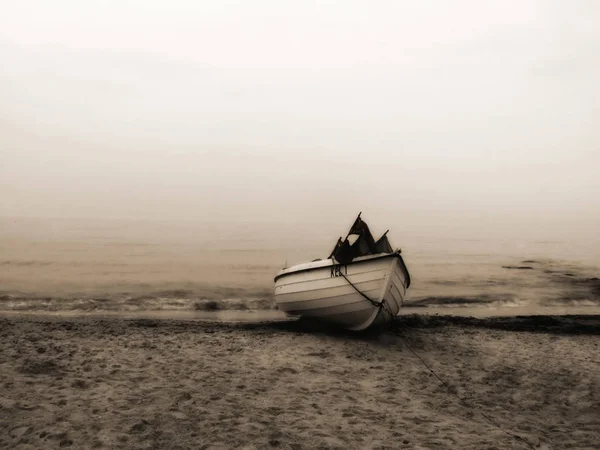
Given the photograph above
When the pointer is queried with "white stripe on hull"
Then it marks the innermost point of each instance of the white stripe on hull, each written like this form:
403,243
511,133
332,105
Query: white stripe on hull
328,282
324,294
345,303
334,291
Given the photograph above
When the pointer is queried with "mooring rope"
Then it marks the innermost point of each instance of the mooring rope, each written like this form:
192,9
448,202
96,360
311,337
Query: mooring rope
381,305
464,402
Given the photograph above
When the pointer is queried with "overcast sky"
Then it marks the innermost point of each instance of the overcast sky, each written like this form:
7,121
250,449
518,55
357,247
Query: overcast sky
191,109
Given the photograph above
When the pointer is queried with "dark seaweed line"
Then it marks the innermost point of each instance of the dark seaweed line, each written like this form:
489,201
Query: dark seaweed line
561,325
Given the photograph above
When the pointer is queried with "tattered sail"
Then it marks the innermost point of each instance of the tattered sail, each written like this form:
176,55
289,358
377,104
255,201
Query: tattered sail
383,244
344,251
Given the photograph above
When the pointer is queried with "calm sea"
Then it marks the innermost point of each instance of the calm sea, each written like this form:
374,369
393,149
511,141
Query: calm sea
135,266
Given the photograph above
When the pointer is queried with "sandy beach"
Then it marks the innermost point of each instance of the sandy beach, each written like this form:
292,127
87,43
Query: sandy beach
115,383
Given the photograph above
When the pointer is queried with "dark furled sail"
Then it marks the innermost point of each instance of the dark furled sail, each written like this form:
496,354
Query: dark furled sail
364,244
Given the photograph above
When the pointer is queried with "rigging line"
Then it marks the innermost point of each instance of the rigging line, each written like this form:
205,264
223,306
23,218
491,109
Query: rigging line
463,401
382,305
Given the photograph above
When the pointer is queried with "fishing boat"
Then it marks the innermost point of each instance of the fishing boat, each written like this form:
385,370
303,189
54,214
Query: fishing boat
361,285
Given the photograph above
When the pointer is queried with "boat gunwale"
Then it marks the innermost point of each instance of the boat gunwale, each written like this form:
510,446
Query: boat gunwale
369,258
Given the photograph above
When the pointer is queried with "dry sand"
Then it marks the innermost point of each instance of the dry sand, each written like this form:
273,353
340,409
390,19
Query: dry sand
116,383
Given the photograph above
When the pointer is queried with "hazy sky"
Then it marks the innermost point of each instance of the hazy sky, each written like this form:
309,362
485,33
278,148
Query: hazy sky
187,109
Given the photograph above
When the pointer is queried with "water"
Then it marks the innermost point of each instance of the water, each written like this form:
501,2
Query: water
121,267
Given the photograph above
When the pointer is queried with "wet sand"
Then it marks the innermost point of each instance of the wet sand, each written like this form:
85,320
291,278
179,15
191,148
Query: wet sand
94,382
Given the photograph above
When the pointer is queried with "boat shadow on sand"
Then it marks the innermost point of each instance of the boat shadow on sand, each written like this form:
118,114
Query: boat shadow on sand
563,324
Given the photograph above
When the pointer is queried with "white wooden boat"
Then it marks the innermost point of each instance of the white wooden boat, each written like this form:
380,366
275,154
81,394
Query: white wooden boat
362,284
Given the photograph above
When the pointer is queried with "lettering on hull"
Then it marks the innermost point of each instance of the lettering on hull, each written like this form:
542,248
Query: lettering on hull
337,271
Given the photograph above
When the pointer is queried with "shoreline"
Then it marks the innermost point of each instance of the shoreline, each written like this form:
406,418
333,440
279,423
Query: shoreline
562,323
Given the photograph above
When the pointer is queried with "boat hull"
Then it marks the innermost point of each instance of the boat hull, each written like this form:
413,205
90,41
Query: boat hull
365,293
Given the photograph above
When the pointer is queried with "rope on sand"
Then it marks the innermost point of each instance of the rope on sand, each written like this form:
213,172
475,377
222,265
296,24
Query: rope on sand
383,305
464,402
